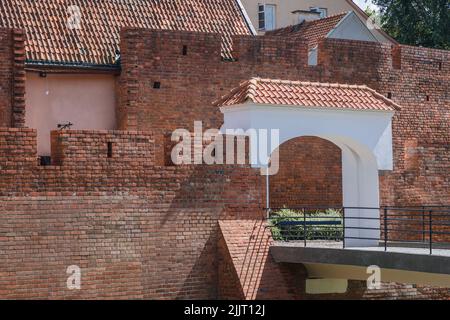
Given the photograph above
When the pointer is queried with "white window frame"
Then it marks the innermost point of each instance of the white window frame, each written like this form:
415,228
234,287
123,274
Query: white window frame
262,16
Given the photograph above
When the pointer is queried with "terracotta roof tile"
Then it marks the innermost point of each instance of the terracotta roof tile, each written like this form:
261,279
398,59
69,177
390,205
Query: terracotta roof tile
307,94
311,31
50,40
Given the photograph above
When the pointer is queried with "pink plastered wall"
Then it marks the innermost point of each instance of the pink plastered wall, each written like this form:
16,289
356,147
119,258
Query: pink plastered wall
86,100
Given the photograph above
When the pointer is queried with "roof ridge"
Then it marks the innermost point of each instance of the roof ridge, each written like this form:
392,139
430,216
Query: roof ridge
296,27
313,83
311,31
342,14
304,93
385,99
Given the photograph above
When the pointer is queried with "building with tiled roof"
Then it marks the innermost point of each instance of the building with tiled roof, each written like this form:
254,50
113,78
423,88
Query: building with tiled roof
307,94
312,31
278,14
73,54
87,32
347,25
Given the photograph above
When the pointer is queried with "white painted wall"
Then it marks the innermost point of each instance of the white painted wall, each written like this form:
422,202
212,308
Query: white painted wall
88,101
284,8
352,28
365,138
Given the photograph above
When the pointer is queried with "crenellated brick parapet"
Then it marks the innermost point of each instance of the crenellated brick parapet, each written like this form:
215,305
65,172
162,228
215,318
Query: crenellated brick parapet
82,149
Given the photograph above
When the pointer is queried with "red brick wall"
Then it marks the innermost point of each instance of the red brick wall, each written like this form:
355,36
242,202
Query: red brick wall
12,78
189,84
123,220
421,129
5,78
310,174
17,160
246,268
138,229
357,290
103,148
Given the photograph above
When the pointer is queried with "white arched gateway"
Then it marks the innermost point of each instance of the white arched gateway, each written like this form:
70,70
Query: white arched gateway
355,118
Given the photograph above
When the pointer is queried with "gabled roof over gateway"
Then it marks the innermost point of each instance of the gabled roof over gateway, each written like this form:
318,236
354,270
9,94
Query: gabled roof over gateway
51,41
307,94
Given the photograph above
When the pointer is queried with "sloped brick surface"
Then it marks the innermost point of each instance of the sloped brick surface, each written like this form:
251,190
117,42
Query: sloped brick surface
248,264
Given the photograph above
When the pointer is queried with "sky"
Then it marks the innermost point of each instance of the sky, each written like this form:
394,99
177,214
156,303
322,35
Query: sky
363,4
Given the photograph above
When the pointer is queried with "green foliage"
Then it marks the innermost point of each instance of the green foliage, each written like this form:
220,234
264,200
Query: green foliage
313,232
417,22
370,12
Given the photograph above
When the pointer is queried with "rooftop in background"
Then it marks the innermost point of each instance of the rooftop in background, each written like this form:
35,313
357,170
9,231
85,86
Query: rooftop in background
307,94
312,31
351,25
96,42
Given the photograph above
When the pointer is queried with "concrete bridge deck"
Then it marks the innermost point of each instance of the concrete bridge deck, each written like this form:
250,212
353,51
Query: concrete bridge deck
407,264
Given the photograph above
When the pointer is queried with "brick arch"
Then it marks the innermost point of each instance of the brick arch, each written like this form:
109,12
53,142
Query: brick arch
310,174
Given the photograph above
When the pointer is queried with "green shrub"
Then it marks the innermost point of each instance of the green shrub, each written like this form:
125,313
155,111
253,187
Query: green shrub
311,232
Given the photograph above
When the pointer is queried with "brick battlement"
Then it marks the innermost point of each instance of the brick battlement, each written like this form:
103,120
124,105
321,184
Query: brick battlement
169,79
102,148
165,45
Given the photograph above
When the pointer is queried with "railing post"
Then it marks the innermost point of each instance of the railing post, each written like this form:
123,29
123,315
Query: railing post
385,229
423,225
343,226
304,226
431,232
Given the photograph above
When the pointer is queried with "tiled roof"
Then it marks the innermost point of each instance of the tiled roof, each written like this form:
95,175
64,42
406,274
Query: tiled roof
312,31
50,40
307,94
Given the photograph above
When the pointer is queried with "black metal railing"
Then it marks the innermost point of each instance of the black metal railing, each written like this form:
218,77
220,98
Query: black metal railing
423,226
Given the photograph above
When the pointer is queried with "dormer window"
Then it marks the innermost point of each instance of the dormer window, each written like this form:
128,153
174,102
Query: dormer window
322,11
266,17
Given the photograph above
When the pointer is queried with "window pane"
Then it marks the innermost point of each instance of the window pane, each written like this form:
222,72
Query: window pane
270,17
262,24
261,20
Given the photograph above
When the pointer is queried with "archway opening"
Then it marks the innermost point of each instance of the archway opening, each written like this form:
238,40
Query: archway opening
326,188
309,175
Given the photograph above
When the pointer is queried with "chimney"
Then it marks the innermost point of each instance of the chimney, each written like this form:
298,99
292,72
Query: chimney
305,15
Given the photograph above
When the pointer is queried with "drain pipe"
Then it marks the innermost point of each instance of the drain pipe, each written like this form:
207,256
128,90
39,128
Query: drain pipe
267,192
